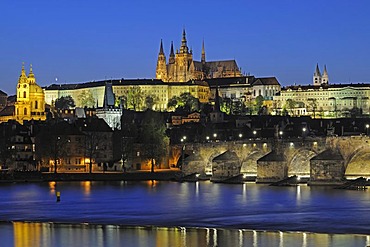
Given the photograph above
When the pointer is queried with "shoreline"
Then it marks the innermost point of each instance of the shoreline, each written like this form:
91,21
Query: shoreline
160,175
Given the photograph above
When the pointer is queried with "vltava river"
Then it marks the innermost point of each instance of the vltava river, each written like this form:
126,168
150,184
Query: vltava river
181,214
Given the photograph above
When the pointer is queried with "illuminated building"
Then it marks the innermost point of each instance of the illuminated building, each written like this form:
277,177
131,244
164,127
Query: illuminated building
324,100
30,103
110,112
161,92
182,68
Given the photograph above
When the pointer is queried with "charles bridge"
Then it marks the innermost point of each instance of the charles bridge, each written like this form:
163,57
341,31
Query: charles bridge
322,159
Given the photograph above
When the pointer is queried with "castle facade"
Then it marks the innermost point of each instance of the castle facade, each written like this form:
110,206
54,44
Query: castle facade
181,67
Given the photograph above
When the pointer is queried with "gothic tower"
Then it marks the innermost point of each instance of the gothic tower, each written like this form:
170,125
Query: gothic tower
317,76
30,102
325,76
183,59
161,71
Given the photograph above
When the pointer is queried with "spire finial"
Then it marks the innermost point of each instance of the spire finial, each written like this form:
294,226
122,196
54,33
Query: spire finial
161,49
325,71
31,75
203,59
184,48
172,52
317,71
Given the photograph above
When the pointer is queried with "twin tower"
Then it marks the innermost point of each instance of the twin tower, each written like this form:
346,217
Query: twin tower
319,79
182,68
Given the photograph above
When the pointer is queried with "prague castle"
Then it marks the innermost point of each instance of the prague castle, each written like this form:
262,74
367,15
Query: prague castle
182,68
30,103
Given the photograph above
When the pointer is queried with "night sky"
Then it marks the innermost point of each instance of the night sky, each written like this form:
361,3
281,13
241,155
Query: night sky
78,41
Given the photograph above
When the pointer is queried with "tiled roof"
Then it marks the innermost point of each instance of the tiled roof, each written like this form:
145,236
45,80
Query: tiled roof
326,86
7,111
2,93
118,82
266,81
226,64
227,81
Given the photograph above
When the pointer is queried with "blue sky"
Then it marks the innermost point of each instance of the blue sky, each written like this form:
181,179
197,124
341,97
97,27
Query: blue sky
79,40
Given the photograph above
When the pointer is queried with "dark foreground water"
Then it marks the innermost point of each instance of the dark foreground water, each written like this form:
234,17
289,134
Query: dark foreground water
184,214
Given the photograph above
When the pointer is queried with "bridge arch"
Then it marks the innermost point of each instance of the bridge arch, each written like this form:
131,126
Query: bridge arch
299,163
358,163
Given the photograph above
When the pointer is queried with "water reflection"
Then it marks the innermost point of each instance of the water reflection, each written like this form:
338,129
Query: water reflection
49,234
86,185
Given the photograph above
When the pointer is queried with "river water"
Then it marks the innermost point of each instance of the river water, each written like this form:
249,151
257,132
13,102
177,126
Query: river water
181,214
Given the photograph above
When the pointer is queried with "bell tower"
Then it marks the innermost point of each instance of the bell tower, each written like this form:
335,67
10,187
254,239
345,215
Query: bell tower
161,71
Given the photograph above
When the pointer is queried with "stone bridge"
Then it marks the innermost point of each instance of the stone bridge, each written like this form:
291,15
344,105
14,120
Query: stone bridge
295,153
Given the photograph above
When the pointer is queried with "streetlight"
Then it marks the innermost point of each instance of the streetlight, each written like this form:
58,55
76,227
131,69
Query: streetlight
183,150
240,135
215,135
281,133
367,129
207,138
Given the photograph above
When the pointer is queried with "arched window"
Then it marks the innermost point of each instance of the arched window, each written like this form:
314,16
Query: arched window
24,95
36,104
25,111
17,111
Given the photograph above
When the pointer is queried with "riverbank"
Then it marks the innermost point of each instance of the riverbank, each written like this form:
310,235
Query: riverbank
161,175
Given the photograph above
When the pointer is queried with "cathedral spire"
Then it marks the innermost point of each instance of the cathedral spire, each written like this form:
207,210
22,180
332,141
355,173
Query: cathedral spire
203,59
325,71
325,76
317,71
161,49
184,48
172,55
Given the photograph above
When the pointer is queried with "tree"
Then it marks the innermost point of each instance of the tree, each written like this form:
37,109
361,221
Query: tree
313,105
186,102
259,102
225,105
86,99
64,102
153,138
51,144
135,98
290,105
128,136
91,146
150,101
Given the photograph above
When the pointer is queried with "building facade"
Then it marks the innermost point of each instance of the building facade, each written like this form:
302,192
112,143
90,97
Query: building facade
30,100
324,100
128,91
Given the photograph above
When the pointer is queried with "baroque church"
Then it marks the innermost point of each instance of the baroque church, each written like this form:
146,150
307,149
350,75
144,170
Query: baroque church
182,68
30,100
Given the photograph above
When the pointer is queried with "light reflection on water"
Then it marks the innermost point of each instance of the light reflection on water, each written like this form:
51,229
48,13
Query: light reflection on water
22,234
200,204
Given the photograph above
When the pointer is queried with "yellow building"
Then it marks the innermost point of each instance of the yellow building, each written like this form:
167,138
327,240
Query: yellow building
30,100
160,91
182,68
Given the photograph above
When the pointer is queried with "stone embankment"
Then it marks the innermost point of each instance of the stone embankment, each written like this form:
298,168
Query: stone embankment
165,175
